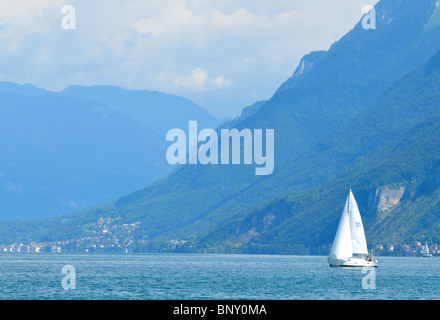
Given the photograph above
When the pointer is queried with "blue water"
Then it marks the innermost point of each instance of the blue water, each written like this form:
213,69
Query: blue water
204,276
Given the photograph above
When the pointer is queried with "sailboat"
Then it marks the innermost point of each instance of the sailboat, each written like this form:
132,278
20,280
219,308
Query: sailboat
350,246
425,252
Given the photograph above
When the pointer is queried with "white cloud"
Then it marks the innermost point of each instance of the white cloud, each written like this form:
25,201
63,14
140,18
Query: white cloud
173,21
221,82
198,80
21,18
199,77
10,186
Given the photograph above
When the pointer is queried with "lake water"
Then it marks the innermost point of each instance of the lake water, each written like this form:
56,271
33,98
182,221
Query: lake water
206,276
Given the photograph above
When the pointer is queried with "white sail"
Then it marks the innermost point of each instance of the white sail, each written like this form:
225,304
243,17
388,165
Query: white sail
342,247
350,239
426,250
359,243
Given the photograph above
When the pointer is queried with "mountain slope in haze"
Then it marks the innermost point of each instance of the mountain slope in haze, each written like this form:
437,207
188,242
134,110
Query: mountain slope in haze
61,154
63,151
245,113
24,89
155,110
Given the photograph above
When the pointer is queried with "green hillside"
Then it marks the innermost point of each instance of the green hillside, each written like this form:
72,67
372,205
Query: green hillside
307,222
392,145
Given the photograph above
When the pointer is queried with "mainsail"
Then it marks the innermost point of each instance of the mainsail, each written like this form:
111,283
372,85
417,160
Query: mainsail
350,236
426,250
359,243
342,247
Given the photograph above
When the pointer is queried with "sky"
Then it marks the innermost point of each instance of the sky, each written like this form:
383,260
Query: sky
222,54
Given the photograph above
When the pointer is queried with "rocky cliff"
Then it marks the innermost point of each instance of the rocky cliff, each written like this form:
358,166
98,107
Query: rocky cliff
385,198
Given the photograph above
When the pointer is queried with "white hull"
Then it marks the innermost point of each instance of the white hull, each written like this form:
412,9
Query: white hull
352,262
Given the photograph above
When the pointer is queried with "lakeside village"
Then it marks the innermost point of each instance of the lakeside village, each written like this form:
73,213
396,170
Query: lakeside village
109,235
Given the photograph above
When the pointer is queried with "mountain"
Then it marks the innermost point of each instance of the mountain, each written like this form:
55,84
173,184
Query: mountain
156,110
245,113
398,199
335,85
340,115
301,116
388,155
64,151
24,89
61,154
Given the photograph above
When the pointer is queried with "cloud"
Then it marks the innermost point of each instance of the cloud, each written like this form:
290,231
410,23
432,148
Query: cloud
18,20
198,79
10,186
173,21
221,82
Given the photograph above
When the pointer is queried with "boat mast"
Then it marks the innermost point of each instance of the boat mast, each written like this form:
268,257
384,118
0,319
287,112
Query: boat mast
349,194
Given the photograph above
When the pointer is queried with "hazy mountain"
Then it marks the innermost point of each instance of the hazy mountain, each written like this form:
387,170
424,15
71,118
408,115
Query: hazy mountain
156,110
24,89
61,154
63,151
245,113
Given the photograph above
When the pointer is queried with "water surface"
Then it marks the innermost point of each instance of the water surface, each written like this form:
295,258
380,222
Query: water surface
210,276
